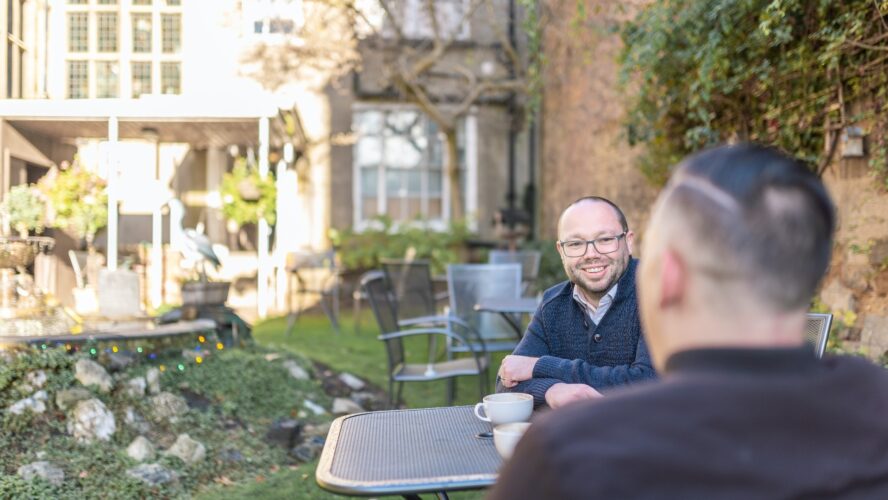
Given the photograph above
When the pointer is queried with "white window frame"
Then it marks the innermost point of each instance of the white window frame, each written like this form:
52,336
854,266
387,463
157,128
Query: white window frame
416,25
470,172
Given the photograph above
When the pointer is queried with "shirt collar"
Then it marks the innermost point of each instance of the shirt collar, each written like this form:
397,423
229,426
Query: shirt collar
590,309
746,360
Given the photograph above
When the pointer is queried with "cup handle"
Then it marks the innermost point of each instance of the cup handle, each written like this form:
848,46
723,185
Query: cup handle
478,413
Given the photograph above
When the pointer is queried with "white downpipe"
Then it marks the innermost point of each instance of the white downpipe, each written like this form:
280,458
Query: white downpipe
262,248
113,153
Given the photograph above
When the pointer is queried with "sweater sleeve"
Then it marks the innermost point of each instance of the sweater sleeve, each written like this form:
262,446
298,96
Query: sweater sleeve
532,344
578,371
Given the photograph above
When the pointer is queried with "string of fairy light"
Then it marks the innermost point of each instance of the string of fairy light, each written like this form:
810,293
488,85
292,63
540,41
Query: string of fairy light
143,347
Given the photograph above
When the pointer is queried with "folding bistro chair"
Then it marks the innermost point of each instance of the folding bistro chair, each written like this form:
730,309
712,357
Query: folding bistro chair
817,331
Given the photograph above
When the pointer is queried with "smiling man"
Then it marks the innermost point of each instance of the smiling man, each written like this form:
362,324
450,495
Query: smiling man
586,334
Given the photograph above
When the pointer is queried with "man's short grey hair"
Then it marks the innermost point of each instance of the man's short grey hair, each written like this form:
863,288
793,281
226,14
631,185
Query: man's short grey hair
760,216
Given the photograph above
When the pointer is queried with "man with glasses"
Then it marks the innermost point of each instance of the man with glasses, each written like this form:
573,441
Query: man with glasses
586,335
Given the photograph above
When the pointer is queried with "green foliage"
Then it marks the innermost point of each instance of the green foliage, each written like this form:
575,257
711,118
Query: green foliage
246,196
78,200
247,386
384,240
551,269
24,208
780,72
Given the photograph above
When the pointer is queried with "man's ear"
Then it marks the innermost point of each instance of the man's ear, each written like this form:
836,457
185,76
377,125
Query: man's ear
630,240
673,279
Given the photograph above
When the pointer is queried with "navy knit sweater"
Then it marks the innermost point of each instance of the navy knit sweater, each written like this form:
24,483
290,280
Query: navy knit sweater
572,349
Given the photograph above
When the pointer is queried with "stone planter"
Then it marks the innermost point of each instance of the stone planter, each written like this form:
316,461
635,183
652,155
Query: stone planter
199,293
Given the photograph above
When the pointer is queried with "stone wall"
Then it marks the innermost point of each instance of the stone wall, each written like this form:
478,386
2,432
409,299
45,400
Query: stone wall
584,149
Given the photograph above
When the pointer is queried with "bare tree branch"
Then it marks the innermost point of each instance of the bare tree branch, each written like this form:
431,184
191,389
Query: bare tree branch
507,46
423,64
396,24
485,87
433,19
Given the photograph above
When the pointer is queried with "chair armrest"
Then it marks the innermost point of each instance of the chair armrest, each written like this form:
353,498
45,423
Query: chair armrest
425,320
432,331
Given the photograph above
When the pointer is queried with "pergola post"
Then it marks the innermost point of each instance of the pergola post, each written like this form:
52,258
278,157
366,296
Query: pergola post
262,248
113,135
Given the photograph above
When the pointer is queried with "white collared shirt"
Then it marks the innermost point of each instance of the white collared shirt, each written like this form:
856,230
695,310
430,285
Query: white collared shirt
595,313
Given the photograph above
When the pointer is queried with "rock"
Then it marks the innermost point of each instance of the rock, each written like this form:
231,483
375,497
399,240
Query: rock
284,432
296,370
152,474
34,380
44,470
36,403
118,361
354,383
91,421
140,449
88,373
314,407
838,297
309,450
874,335
231,455
135,387
317,430
67,398
272,356
369,400
187,449
152,376
135,421
343,406
168,406
856,271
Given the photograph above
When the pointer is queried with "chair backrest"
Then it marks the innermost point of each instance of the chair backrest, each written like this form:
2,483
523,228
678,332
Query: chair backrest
529,260
469,283
385,310
817,331
411,283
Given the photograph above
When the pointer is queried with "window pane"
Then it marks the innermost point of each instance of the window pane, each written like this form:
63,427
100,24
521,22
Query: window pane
141,78
368,152
393,183
171,32
78,32
141,32
9,70
141,2
402,152
369,182
173,3
435,182
106,79
78,79
170,80
278,25
77,2
414,183
107,25
367,122
107,2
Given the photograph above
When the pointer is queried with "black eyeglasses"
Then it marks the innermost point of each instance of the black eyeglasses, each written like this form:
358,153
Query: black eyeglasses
578,248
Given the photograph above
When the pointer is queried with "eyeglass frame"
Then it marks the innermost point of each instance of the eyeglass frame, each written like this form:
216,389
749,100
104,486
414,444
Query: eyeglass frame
618,237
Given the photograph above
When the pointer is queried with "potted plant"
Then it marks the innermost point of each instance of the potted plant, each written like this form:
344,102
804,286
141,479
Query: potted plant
23,210
78,201
246,196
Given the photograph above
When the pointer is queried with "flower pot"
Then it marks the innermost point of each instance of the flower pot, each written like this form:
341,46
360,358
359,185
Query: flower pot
197,293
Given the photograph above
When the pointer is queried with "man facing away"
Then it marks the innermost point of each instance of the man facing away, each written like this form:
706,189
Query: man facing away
586,333
736,246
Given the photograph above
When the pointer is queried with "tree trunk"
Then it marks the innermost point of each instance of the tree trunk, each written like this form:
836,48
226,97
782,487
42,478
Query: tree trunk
457,211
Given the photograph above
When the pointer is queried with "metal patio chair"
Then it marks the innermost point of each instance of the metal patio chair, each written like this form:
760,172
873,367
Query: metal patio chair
414,289
530,265
385,309
315,274
467,285
817,331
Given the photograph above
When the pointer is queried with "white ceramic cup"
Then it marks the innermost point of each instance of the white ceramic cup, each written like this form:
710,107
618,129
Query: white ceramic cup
506,436
505,408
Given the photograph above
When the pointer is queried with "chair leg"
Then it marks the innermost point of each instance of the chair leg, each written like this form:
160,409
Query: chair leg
356,310
291,322
400,391
391,402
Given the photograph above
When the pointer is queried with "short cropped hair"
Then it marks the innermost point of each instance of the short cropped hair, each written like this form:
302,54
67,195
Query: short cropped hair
620,217
761,216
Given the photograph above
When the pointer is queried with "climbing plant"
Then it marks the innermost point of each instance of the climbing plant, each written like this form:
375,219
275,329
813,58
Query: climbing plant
791,73
246,196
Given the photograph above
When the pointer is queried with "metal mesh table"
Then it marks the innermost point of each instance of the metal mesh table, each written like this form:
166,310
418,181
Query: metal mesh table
405,452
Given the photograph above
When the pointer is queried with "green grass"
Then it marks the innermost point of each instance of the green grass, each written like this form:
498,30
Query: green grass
359,353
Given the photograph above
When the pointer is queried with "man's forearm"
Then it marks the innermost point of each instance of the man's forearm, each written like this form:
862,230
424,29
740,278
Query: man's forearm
536,387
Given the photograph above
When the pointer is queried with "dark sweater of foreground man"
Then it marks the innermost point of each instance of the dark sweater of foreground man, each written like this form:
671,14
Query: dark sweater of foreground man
801,428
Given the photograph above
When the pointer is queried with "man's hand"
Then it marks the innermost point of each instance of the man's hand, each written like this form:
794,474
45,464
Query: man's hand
516,369
562,394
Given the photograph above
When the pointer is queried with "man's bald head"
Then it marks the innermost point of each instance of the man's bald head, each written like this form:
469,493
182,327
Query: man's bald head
595,199
750,215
